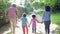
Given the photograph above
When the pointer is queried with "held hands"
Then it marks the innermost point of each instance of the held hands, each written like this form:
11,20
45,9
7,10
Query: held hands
41,22
18,20
28,25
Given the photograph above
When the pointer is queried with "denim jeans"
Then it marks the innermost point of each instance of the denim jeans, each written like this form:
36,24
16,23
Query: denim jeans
47,26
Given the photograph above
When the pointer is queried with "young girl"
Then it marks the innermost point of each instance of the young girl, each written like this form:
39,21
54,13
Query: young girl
24,24
46,18
33,21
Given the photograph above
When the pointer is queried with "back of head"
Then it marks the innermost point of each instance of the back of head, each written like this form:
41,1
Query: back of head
14,5
24,15
33,16
47,8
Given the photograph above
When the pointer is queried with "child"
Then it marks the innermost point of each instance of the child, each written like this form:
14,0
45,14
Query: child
33,21
24,23
46,18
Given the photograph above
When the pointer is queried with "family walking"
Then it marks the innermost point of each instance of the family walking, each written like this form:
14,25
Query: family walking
12,15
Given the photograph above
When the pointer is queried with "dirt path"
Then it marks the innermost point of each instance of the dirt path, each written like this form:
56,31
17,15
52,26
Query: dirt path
40,28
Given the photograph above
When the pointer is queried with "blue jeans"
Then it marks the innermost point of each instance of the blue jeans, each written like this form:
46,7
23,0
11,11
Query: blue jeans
47,26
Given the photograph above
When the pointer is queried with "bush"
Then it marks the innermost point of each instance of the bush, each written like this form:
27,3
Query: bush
3,6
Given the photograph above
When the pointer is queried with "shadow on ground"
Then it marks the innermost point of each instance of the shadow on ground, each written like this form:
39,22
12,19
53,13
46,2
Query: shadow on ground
4,28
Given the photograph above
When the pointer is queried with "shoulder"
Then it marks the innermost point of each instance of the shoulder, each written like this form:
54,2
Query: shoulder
21,18
14,8
35,18
9,8
45,12
26,18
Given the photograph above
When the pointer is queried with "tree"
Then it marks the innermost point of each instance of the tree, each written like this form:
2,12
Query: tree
38,5
3,6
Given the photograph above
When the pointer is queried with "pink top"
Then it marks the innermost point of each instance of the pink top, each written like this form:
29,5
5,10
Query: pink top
11,12
33,21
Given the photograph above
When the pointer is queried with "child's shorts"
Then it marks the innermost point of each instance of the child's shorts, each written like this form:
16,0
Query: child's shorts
33,29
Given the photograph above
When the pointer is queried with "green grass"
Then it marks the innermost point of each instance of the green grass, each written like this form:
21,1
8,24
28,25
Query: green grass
55,18
58,32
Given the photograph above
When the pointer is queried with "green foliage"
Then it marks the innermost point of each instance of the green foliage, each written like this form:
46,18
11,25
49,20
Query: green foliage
31,0
38,5
50,2
55,18
40,13
19,10
3,6
56,7
28,7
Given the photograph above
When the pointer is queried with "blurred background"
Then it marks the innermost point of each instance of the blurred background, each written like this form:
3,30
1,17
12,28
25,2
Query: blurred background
28,6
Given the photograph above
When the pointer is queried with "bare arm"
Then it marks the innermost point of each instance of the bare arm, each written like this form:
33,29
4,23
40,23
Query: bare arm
37,21
42,20
30,23
16,14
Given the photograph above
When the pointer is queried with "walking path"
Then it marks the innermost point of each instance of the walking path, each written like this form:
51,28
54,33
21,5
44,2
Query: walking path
40,27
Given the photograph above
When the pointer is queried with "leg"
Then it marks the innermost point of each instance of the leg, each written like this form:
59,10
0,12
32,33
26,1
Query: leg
34,29
27,29
48,30
11,25
45,23
13,29
14,24
48,27
23,28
